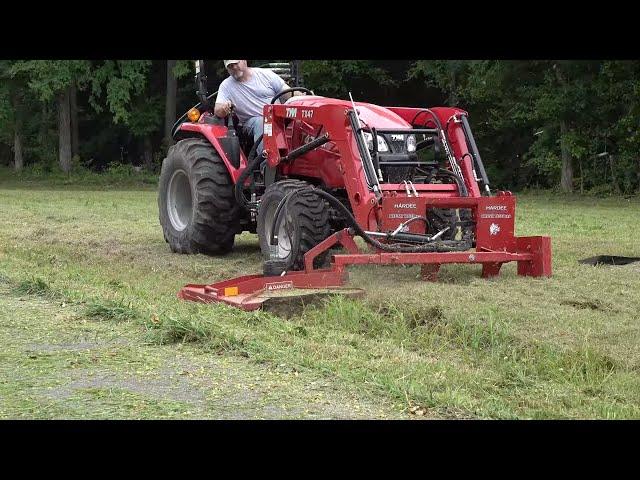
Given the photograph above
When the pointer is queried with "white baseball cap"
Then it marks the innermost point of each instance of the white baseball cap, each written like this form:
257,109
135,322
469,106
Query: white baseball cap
227,62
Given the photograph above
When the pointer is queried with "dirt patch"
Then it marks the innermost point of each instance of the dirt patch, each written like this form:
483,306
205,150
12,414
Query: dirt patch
587,304
76,346
228,388
179,390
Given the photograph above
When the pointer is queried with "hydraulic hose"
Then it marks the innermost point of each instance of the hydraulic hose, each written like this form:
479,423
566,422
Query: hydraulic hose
462,188
439,246
253,160
430,112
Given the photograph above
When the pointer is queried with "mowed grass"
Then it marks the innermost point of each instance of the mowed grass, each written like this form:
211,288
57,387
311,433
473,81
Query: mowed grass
463,347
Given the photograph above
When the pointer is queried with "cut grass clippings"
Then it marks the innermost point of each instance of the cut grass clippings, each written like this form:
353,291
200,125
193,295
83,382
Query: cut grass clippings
462,347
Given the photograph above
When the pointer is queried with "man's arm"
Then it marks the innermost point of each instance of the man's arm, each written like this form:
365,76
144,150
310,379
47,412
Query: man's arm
223,104
222,109
287,96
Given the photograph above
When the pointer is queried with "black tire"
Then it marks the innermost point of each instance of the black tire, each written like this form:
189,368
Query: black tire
274,268
459,222
197,208
307,216
396,174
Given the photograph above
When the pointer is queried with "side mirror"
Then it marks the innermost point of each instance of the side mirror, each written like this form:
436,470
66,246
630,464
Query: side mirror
201,85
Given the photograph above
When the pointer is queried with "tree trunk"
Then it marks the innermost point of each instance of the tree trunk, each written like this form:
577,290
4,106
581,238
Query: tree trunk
74,120
514,170
42,131
566,179
581,177
18,162
614,176
17,149
148,153
453,98
64,129
170,106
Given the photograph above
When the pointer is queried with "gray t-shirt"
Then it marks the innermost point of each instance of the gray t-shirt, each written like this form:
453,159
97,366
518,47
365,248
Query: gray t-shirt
251,96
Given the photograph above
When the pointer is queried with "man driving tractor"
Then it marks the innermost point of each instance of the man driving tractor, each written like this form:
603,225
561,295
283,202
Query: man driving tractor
246,91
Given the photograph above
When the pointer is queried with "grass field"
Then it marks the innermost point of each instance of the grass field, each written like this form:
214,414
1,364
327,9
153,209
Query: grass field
90,325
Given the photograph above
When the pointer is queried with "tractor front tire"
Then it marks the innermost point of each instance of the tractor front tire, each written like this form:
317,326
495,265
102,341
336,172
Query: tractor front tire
306,218
197,207
459,222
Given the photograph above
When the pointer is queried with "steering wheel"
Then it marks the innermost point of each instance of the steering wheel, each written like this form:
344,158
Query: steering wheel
289,90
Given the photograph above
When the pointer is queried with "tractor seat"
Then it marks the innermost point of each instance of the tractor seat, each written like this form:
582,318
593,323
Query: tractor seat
246,141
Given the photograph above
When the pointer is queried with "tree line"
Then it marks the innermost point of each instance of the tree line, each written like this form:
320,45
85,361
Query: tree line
567,124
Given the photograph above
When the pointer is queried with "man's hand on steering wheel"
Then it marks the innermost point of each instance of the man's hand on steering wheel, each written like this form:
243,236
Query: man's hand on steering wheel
290,90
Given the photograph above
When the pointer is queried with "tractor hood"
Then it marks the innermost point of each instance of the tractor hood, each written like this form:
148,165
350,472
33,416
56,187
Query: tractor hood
372,115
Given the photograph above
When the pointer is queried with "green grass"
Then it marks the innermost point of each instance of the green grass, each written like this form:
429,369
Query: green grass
115,176
112,310
65,359
463,347
33,286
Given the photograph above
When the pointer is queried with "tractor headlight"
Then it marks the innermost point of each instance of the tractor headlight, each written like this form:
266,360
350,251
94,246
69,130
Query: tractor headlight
382,144
411,143
193,114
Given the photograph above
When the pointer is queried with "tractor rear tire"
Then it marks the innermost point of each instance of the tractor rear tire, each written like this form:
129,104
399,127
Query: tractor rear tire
197,207
306,216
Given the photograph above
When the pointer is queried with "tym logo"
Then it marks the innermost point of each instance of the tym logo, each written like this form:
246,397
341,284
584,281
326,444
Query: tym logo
405,205
292,112
496,207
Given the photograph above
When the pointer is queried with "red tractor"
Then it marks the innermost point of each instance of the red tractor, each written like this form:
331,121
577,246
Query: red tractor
409,181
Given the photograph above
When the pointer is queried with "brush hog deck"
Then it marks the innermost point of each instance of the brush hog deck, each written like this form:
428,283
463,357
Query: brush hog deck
264,297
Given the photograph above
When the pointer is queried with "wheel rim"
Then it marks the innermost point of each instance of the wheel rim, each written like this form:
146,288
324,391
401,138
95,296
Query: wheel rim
283,250
179,201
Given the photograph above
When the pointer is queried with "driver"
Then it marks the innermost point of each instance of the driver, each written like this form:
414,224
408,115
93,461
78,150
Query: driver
248,90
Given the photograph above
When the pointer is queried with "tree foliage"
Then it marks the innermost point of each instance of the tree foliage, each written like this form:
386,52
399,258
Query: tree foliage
533,119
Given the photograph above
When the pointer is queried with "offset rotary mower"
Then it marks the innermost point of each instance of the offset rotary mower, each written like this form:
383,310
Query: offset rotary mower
409,181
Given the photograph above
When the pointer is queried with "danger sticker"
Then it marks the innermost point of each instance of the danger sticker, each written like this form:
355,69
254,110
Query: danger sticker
278,286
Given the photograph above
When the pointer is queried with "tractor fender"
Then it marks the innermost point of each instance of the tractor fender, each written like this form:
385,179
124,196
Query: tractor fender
216,135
